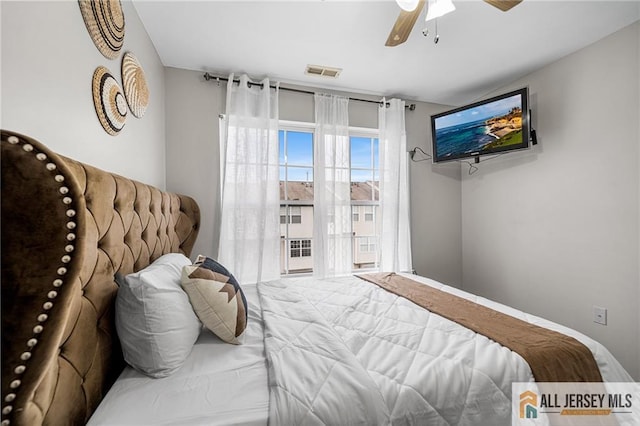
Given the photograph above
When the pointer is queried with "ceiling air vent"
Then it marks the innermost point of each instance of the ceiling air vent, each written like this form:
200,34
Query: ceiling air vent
323,71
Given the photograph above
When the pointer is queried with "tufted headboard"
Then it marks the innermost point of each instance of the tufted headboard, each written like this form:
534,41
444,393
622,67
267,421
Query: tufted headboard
67,228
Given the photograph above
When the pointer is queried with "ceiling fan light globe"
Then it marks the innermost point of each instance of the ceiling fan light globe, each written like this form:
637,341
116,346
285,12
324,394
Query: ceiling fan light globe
408,5
438,8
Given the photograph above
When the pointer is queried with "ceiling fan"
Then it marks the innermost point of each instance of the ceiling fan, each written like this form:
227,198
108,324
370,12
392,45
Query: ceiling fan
411,10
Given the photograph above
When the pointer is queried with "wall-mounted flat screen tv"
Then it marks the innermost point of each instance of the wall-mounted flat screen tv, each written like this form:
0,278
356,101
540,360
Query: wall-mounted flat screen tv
486,127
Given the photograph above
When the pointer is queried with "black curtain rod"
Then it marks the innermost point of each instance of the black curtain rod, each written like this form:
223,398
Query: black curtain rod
218,79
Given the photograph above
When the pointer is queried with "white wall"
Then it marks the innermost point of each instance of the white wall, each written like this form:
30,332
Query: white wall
193,156
48,60
436,204
193,106
555,230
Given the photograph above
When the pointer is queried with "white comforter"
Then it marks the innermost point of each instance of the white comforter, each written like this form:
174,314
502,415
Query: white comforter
346,352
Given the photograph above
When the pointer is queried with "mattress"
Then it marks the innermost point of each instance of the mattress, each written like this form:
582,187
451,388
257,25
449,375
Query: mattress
219,384
334,352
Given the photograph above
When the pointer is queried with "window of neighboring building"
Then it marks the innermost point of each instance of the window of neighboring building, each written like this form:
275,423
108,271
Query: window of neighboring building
290,214
367,244
300,248
368,213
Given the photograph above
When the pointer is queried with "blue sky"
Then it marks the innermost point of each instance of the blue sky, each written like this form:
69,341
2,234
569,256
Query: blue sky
299,156
479,113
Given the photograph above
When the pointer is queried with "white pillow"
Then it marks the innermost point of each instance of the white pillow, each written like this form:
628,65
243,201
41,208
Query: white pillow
154,319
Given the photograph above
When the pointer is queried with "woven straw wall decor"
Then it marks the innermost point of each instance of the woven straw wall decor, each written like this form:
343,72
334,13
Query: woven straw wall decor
134,84
109,101
104,20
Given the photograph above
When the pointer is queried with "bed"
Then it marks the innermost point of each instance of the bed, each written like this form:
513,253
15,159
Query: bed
336,351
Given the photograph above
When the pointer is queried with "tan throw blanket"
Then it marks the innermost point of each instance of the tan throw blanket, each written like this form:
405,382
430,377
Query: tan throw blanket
552,356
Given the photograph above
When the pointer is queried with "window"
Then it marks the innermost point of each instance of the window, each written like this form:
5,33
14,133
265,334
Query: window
300,248
306,248
296,196
368,213
365,196
365,168
367,244
294,250
294,215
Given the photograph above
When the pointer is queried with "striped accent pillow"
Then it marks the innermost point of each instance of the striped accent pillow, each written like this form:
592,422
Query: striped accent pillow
217,298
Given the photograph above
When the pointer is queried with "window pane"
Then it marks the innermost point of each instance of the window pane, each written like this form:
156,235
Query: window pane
376,154
281,150
300,148
361,190
361,175
360,152
300,174
364,188
365,244
297,186
295,247
376,188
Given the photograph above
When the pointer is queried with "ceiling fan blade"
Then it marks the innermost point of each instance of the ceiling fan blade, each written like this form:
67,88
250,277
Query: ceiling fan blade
403,25
503,5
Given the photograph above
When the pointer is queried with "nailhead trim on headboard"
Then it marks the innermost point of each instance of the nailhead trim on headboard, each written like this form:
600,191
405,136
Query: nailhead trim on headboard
66,253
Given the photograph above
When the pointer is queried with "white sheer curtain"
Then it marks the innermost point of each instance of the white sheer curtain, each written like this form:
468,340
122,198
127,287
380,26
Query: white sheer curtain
332,247
250,224
395,234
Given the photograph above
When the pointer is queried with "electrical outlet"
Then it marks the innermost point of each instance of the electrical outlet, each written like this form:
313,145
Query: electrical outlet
600,315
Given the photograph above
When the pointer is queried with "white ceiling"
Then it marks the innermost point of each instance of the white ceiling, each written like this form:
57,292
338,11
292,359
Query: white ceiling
480,47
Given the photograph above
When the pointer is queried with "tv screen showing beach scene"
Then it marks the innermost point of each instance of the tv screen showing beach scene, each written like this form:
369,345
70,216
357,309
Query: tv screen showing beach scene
491,126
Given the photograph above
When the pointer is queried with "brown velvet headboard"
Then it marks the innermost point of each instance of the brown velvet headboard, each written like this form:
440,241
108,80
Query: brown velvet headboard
67,228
